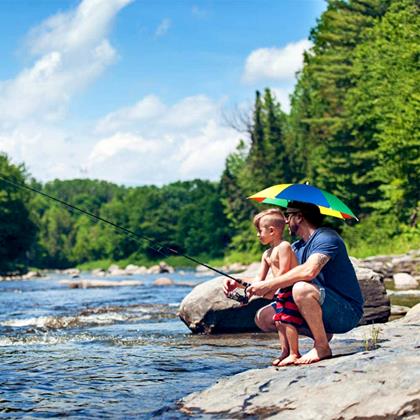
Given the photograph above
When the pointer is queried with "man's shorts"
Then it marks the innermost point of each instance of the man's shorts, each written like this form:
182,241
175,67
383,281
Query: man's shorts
338,315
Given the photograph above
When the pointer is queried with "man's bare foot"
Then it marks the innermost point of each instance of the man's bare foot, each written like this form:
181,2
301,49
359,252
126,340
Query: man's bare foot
282,356
315,355
289,360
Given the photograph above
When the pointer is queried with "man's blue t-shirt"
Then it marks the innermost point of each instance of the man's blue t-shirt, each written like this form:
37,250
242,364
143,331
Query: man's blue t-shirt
338,274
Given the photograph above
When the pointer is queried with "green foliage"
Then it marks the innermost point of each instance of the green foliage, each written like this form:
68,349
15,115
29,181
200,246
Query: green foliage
385,105
381,234
17,230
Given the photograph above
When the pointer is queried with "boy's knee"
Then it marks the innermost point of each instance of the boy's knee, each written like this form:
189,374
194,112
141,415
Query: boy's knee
264,320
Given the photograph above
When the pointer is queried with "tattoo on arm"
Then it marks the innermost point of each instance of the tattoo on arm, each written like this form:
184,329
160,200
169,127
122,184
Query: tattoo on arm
321,260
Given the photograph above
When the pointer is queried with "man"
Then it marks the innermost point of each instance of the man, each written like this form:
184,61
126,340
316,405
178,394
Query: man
325,286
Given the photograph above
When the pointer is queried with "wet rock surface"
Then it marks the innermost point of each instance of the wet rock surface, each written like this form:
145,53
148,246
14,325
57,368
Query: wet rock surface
382,382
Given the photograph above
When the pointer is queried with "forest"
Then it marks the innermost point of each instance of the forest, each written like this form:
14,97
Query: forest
352,130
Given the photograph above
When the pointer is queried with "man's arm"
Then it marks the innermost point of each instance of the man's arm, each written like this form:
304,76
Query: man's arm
304,272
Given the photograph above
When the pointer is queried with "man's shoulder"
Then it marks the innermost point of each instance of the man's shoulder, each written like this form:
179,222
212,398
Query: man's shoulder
326,233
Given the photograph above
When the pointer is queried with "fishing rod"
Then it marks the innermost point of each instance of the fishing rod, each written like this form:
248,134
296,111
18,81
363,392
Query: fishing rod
156,246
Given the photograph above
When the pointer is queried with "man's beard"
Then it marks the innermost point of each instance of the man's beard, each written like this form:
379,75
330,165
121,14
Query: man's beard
293,230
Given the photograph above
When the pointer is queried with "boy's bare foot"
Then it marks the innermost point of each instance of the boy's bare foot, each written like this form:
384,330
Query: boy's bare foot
315,355
289,360
282,356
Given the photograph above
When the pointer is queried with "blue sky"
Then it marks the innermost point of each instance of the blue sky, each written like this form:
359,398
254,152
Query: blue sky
133,91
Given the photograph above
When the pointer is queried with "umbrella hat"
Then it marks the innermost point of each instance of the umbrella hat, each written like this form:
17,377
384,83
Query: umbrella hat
282,194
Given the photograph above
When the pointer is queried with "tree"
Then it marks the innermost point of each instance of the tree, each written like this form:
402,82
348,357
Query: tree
17,230
325,151
384,107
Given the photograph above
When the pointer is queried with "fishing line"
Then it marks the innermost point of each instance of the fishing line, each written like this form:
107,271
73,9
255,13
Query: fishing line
154,245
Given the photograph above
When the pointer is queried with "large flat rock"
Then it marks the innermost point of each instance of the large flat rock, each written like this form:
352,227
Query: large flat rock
381,383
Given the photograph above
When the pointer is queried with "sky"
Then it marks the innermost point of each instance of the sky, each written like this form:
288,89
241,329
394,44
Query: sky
137,92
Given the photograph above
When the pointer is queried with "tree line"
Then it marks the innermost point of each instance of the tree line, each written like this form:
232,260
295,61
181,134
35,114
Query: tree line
352,130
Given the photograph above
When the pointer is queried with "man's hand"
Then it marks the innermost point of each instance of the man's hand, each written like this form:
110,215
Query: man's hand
229,285
259,288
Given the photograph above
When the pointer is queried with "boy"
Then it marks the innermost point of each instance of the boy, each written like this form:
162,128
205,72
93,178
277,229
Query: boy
280,258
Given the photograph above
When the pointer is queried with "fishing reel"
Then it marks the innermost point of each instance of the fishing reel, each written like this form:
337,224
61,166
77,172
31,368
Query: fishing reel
239,296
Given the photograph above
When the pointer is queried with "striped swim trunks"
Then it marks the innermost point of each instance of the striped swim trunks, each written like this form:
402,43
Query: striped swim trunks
286,309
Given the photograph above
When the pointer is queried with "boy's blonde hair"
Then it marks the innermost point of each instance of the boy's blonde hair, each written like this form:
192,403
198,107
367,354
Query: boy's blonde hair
275,218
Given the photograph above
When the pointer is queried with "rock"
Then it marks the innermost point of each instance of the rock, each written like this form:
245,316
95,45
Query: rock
404,293
115,270
404,281
72,272
387,265
154,269
377,306
202,269
165,268
397,310
86,284
31,275
380,383
132,269
206,309
234,268
162,267
98,272
163,281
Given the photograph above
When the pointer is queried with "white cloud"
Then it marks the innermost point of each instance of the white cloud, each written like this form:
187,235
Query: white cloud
163,143
75,30
71,51
145,109
163,27
279,64
107,148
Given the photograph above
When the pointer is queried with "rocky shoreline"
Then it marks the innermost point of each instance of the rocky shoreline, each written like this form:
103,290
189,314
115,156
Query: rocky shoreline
380,381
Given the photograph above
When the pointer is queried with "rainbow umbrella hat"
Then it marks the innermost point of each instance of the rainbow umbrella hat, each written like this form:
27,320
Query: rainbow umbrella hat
282,194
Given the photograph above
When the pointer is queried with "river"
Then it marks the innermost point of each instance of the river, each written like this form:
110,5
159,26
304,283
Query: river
117,352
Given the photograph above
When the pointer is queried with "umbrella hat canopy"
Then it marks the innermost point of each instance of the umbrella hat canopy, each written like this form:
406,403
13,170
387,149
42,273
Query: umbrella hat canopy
282,194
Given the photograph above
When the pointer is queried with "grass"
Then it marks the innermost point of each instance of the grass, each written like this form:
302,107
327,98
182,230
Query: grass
371,341
394,247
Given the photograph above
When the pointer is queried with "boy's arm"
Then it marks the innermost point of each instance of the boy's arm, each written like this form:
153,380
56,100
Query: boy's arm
264,267
304,272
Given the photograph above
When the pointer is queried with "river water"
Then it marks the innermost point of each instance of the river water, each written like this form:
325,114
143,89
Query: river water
115,352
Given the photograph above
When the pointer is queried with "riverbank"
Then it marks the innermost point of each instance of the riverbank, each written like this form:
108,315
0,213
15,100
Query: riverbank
380,382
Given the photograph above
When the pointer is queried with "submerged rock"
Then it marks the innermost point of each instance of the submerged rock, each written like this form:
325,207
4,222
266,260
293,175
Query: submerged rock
163,281
378,383
86,284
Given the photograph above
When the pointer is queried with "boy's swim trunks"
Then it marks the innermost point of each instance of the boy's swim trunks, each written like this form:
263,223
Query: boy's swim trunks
286,309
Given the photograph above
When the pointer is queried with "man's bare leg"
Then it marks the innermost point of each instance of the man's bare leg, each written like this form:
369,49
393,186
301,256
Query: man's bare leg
306,297
292,339
284,345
